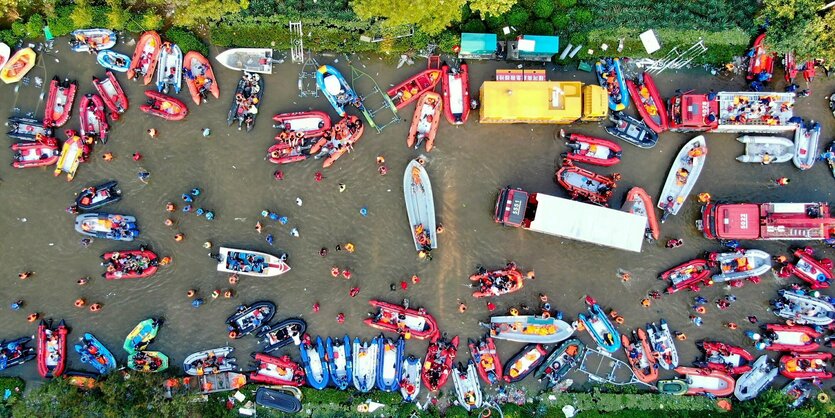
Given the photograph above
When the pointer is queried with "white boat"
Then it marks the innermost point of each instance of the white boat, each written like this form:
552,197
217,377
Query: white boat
467,386
766,149
5,53
805,143
365,364
254,60
754,381
250,263
420,206
410,381
216,360
529,329
738,265
662,342
683,176
805,309
170,68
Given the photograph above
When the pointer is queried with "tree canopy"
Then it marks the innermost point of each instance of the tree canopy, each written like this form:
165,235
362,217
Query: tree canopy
431,16
799,27
491,7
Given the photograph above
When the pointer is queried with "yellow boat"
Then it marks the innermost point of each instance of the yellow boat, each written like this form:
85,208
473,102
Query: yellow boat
70,156
18,65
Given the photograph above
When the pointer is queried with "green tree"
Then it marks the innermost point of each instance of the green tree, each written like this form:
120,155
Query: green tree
192,13
491,7
431,17
8,10
82,14
793,26
117,15
543,8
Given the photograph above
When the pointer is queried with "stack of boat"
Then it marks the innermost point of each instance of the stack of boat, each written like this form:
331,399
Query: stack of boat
136,344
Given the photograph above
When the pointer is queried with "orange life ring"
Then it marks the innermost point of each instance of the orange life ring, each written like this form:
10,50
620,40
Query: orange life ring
546,314
620,320
422,239
233,334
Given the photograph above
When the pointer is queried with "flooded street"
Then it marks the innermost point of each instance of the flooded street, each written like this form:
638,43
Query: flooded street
467,167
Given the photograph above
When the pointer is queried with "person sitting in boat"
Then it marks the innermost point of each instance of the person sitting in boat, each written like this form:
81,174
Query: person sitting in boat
681,176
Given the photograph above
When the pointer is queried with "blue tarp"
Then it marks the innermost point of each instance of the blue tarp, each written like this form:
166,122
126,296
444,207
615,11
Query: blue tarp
544,45
478,43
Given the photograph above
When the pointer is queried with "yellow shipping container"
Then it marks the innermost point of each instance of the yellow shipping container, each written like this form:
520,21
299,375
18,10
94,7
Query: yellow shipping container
547,102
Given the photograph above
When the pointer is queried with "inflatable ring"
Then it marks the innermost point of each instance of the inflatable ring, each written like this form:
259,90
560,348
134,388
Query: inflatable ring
485,413
337,128
823,397
363,407
620,320
233,334
421,161
546,314
514,312
299,134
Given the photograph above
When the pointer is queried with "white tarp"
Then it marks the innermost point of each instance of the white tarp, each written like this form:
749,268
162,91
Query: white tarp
650,41
589,223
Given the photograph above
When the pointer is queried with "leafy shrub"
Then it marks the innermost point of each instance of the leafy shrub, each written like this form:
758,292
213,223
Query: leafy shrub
100,19
581,17
543,8
8,37
517,16
151,20
540,27
34,26
473,26
19,29
61,24
567,4
495,23
117,18
187,40
560,21
13,384
82,16
447,40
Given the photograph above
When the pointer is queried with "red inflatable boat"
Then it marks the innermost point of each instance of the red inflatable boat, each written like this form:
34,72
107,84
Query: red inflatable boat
414,87
42,152
199,77
163,106
486,360
796,338
649,102
591,150
59,102
296,125
705,381
294,150
132,264
805,365
456,89
438,362
145,57
818,273
582,183
725,357
396,318
687,276
638,202
111,93
277,371
498,282
93,119
52,349
346,133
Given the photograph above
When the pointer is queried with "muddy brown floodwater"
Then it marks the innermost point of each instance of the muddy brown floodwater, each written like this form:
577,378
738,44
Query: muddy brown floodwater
467,167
